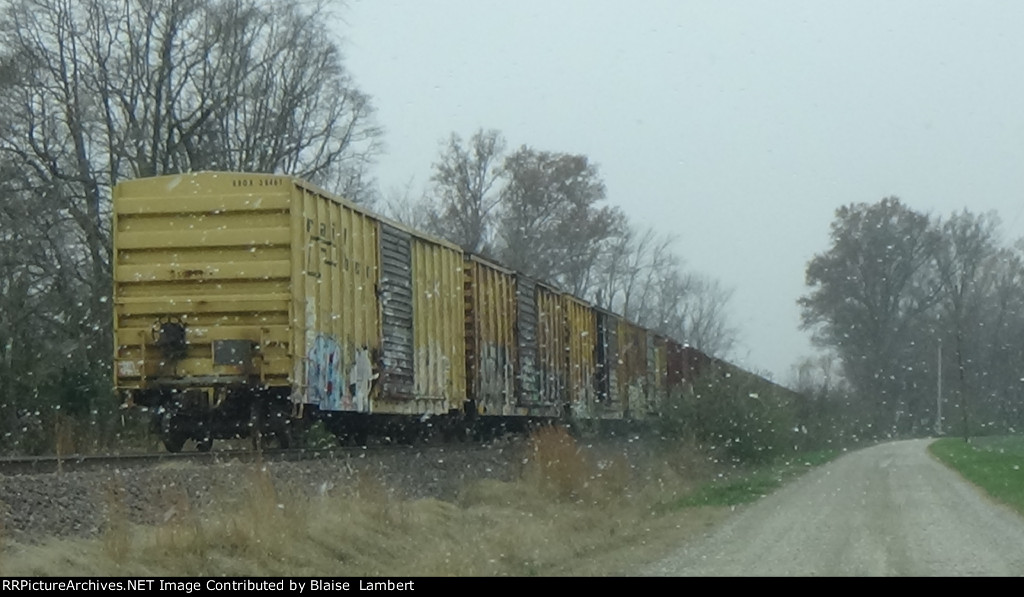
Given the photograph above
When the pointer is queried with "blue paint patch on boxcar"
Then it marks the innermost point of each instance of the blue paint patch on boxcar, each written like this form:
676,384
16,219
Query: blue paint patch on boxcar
323,374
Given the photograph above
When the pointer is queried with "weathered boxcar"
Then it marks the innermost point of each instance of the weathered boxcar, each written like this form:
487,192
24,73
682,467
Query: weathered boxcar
657,373
608,403
581,351
250,304
632,370
518,362
552,363
492,348
243,302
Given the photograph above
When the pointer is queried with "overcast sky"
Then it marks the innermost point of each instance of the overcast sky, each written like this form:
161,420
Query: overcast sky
739,126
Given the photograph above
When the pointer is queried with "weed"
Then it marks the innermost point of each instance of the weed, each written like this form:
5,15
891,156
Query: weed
117,540
557,465
3,539
64,437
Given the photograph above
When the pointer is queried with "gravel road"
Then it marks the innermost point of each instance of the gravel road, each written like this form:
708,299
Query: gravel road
889,510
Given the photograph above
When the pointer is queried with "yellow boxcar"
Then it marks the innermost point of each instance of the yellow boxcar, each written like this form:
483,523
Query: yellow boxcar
203,289
609,403
335,323
631,374
551,397
438,324
491,347
581,343
238,297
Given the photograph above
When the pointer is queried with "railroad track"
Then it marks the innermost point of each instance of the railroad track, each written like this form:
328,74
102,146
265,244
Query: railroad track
36,465
31,465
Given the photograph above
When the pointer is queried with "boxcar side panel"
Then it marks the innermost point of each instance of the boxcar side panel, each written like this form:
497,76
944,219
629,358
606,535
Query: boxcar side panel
581,340
552,361
339,309
439,358
396,313
632,368
611,403
526,340
657,379
490,293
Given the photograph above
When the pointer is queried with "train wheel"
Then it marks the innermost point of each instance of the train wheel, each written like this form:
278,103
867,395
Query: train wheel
407,433
279,425
269,426
360,435
171,432
204,445
256,418
174,442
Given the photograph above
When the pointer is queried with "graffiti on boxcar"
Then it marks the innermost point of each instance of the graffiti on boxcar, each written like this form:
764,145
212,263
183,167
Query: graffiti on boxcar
323,373
361,377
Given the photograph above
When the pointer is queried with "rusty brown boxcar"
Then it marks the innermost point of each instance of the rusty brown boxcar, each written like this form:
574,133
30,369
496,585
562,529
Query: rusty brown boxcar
657,373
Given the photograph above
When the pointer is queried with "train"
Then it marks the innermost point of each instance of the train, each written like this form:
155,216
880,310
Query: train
256,305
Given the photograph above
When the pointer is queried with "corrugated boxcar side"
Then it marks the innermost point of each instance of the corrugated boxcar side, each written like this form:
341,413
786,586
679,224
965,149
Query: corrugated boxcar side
526,339
656,374
336,257
632,368
439,357
491,347
581,329
215,251
552,363
684,364
611,404
676,368
397,369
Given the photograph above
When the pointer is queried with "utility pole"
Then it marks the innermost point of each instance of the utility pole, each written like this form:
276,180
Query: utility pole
938,394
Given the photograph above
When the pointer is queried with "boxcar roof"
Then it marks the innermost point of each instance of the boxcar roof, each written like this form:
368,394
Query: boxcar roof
308,186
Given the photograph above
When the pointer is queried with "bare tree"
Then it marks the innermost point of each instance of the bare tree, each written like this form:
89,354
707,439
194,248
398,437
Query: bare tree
705,314
631,269
641,278
1002,326
963,257
96,91
550,225
399,204
464,179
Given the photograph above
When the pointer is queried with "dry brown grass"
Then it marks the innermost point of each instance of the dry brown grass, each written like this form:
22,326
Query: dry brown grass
3,538
117,534
63,437
573,511
556,464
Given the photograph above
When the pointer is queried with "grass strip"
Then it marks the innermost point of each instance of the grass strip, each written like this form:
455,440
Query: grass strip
752,485
996,466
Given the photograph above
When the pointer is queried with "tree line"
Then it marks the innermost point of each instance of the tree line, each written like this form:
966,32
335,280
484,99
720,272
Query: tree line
908,305
547,214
